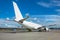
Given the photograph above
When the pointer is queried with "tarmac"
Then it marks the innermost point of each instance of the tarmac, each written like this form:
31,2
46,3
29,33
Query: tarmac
30,36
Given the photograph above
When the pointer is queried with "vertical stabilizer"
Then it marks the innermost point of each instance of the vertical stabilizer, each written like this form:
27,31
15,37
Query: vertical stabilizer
18,14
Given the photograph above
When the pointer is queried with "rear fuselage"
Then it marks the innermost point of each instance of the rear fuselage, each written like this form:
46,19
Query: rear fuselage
30,25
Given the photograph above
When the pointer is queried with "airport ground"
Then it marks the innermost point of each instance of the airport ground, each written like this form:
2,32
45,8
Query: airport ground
24,35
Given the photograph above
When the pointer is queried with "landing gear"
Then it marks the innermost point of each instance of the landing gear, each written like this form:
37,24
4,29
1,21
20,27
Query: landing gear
29,30
41,29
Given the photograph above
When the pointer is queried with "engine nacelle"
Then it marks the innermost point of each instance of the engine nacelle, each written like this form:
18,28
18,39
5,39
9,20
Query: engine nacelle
43,29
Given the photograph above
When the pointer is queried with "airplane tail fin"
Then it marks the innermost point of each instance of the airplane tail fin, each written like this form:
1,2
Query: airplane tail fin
17,12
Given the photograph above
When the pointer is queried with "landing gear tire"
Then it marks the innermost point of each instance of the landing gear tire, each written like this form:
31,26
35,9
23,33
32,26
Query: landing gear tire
29,30
39,30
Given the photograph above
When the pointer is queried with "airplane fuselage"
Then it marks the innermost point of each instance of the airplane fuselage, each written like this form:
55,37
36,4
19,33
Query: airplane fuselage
30,25
19,18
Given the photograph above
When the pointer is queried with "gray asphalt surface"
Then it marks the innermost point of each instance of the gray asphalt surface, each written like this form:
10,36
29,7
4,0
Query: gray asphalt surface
30,36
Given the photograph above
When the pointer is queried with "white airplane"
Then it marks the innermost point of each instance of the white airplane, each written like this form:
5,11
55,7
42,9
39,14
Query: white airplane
29,25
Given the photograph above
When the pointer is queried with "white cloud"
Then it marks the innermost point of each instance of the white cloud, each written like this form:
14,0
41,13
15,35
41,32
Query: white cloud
52,3
38,20
54,20
46,19
56,2
35,18
27,14
13,18
5,23
58,10
7,18
41,19
44,4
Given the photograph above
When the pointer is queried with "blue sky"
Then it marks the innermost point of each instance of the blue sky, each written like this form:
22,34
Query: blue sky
33,7
46,11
